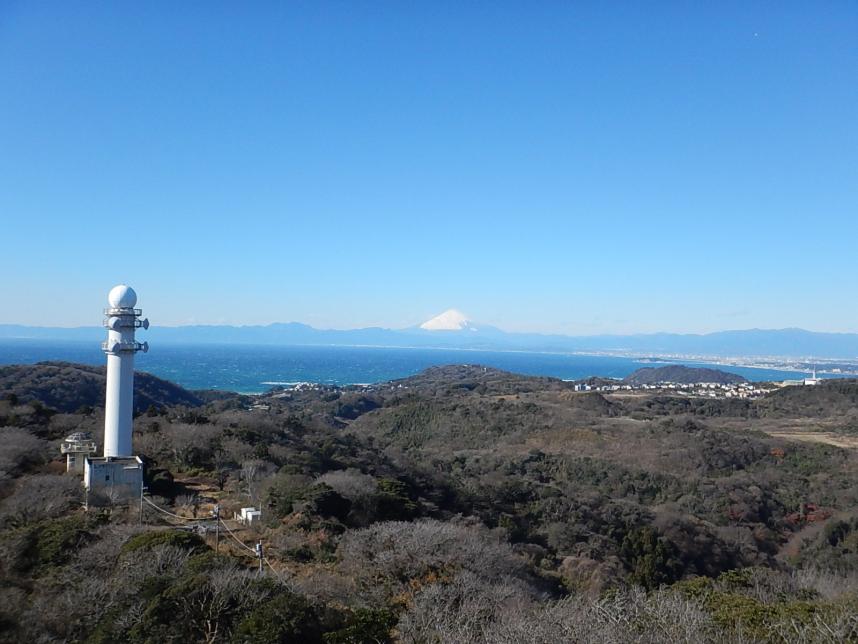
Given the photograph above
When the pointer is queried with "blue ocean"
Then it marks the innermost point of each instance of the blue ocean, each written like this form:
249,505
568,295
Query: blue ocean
255,369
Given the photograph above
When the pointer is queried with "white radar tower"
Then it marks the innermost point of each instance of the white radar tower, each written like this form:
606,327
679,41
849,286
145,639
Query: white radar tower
121,320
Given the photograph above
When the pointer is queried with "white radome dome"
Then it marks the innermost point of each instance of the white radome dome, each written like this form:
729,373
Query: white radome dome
122,297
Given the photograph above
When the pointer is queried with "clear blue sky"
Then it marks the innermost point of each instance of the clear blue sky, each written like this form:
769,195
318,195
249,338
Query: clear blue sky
581,167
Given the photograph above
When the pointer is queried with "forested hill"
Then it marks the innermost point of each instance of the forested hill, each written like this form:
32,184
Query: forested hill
463,504
67,387
680,374
483,380
834,397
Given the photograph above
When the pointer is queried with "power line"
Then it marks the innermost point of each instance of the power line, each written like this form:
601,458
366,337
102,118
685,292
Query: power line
277,574
226,527
239,541
160,509
253,550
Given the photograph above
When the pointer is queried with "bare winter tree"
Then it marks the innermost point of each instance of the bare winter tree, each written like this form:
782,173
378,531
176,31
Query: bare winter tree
390,555
251,476
162,560
212,605
351,484
467,610
841,625
19,449
40,497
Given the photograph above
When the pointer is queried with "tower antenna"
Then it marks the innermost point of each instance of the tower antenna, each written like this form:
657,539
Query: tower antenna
118,475
121,320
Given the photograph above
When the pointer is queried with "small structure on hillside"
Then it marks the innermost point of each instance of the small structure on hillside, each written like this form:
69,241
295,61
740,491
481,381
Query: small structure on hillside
813,380
249,517
76,448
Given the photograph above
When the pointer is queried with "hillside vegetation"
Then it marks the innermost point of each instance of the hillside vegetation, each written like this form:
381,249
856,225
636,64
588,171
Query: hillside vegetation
681,374
464,504
67,387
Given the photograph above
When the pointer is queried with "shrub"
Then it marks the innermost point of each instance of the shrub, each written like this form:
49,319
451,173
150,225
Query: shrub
160,482
284,618
51,542
325,502
365,625
148,540
393,501
651,559
285,491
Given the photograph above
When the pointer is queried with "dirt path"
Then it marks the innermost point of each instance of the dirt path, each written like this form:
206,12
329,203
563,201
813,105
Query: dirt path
793,546
828,438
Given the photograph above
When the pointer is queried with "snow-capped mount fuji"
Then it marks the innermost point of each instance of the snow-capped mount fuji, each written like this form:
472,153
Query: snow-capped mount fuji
453,330
449,320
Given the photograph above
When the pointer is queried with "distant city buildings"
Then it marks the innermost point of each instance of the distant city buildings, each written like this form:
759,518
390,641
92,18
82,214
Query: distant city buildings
699,389
743,390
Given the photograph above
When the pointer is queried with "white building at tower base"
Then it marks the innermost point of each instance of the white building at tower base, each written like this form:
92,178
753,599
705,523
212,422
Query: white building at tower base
115,478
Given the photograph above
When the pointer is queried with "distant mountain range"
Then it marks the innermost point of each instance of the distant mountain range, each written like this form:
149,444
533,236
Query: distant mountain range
452,330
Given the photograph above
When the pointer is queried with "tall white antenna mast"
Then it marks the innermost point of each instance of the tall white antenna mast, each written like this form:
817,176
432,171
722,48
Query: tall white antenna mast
121,320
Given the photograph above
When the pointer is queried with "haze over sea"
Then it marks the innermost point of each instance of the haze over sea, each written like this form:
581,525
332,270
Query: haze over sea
254,369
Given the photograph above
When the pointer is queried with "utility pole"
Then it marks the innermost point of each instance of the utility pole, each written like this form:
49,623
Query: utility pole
142,487
259,554
216,512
